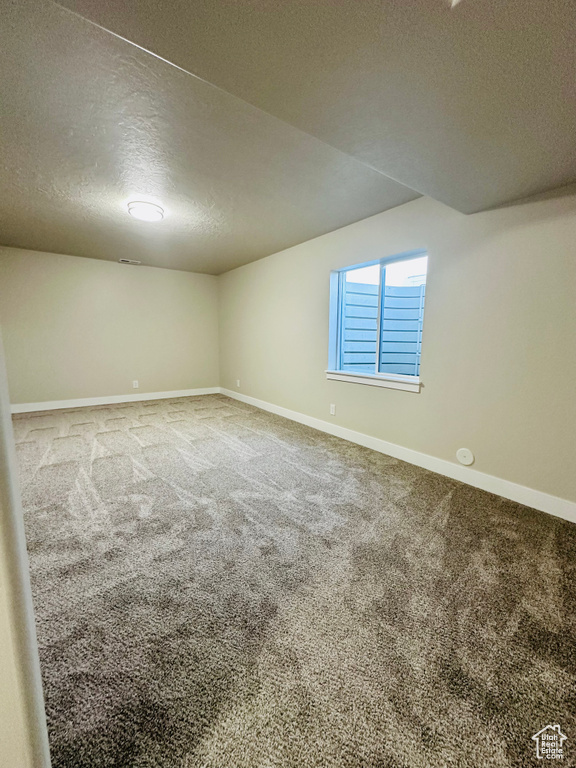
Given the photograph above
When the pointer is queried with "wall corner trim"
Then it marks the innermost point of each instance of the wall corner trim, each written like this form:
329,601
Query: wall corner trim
553,505
53,405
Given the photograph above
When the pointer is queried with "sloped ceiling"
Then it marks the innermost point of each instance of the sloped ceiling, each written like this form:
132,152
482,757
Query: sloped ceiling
473,105
258,124
89,122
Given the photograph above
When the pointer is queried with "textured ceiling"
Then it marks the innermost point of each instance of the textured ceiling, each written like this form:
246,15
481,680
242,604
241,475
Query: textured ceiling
90,121
473,105
260,124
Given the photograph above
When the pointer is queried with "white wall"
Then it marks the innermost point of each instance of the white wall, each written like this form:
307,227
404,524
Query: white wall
499,348
80,328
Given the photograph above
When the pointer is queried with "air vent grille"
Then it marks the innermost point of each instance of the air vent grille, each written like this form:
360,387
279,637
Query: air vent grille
129,261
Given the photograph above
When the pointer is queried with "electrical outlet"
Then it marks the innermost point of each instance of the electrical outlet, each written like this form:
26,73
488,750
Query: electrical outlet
135,384
238,382
332,409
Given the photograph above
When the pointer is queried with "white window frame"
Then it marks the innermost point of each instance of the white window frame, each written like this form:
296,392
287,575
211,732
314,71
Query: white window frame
377,379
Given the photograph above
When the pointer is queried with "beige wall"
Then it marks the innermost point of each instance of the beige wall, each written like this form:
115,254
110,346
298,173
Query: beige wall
13,747
14,740
498,361
23,738
499,346
77,328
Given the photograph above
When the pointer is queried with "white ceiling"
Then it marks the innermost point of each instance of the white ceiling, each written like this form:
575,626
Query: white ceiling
296,118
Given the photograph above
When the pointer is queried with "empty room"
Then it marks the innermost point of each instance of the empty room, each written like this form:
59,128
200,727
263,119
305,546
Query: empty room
287,383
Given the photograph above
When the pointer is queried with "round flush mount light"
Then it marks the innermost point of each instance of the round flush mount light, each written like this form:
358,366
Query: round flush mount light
144,211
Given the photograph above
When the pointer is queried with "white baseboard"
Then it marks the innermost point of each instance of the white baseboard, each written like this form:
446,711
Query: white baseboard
545,502
530,497
52,405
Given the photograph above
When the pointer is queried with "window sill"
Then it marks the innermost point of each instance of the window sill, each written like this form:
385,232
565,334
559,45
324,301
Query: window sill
388,380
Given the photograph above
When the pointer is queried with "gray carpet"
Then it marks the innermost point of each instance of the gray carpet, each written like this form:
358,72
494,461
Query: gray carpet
219,587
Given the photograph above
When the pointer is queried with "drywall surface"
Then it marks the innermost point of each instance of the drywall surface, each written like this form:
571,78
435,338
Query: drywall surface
498,359
473,104
14,746
23,736
235,182
79,328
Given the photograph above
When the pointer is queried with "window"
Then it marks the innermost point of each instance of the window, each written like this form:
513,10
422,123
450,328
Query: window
376,313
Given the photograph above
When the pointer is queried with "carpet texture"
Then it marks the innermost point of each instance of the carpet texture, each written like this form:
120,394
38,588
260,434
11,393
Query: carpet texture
219,587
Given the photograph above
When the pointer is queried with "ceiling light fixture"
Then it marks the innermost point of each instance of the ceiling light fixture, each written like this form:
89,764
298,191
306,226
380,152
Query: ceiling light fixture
144,211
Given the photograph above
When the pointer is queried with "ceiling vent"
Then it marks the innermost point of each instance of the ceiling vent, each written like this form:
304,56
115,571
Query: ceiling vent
128,261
